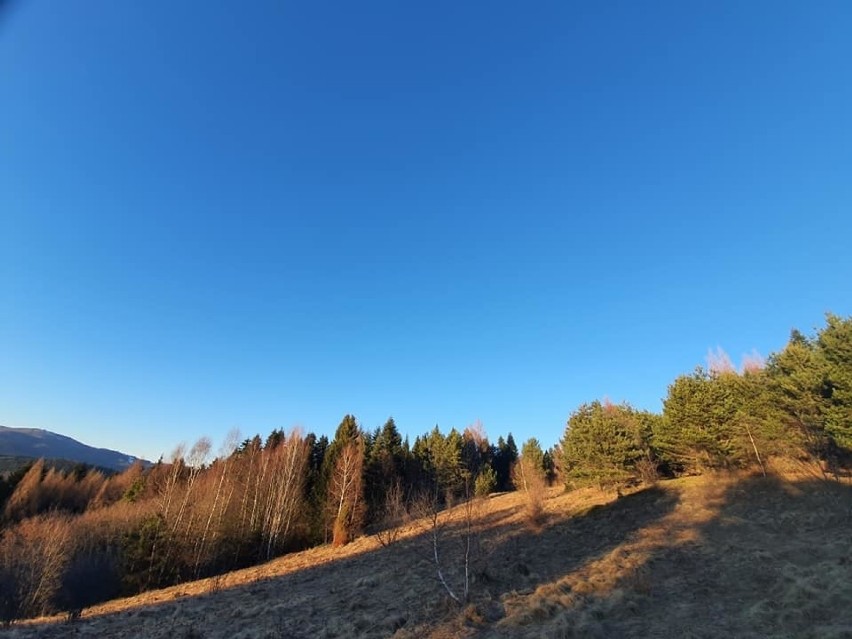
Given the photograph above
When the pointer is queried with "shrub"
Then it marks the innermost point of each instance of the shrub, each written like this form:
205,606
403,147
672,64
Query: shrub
393,515
10,595
90,578
486,482
528,475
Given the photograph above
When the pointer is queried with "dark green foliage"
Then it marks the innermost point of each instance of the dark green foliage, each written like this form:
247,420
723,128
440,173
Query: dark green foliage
386,461
486,481
549,465
136,489
834,344
476,451
440,462
810,382
274,439
698,428
314,486
504,459
318,447
799,405
532,452
11,464
145,564
602,445
722,420
797,381
248,445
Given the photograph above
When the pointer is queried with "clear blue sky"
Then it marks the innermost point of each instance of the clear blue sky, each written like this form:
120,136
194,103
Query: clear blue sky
268,214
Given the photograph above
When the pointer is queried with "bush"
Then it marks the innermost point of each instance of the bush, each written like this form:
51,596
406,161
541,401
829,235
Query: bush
33,557
10,596
144,557
486,482
90,578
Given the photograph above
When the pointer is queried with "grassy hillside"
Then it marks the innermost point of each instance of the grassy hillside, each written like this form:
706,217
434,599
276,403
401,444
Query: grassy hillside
697,557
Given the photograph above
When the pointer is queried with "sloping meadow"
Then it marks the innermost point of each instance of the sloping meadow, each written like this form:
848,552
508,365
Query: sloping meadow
701,557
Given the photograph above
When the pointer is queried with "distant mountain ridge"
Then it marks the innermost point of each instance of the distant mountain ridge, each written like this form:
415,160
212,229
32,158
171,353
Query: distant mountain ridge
37,442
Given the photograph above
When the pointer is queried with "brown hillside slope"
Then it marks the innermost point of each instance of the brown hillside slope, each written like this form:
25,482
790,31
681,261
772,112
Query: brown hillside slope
699,557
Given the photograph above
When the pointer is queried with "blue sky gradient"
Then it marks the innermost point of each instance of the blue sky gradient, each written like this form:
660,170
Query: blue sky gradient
269,214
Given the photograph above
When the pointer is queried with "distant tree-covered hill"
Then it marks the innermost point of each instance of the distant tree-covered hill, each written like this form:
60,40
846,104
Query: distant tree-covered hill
36,443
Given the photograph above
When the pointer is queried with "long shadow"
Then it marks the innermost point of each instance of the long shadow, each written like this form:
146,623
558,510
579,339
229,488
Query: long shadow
381,590
562,544
775,560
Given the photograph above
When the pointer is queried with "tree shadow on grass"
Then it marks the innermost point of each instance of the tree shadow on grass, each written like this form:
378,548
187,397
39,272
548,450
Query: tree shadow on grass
562,544
773,560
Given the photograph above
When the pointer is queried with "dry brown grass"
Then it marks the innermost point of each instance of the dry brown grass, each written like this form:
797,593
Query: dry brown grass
698,557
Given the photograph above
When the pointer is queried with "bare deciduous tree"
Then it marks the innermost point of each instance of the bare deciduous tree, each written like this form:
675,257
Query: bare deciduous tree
393,515
345,493
453,538
33,556
24,501
220,503
284,503
528,476
719,362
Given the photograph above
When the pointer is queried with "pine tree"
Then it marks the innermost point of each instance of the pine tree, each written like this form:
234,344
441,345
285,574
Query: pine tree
504,458
385,467
602,444
834,343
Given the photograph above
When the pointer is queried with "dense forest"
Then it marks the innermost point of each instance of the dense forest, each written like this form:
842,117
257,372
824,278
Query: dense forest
73,537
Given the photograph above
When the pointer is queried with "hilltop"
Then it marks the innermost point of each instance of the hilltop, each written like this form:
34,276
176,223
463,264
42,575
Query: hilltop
716,555
36,443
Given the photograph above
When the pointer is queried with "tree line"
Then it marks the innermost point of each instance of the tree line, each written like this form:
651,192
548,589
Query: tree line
795,405
71,538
